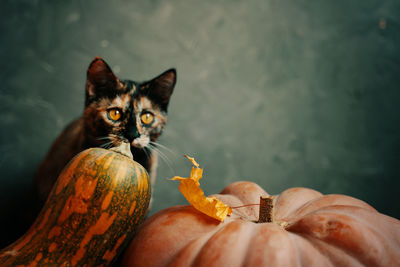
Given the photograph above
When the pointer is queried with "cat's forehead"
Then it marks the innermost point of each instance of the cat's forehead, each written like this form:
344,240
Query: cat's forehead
132,97
132,88
122,100
142,103
138,91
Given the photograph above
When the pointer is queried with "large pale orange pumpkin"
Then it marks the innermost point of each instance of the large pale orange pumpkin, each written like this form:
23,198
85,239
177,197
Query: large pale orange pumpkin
92,211
309,229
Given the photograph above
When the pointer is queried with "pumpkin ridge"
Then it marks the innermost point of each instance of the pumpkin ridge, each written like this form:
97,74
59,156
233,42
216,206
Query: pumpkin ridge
330,251
386,238
278,242
352,211
185,256
352,201
228,236
290,200
306,257
339,219
330,200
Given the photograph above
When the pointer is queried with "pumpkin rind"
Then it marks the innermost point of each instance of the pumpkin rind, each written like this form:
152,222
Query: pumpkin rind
92,211
321,230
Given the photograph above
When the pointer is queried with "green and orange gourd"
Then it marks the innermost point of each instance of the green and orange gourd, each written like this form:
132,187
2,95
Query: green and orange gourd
99,199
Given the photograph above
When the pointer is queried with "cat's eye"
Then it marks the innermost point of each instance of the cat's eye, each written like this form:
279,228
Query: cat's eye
147,117
114,114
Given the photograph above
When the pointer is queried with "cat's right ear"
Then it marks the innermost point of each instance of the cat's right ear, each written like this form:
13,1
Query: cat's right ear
100,79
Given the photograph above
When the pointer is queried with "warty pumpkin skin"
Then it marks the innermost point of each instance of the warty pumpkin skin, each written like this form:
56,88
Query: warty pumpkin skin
98,200
310,229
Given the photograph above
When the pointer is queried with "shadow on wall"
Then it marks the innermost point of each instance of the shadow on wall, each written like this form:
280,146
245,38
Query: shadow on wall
26,125
18,214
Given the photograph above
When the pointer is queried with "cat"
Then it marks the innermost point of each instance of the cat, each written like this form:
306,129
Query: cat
115,111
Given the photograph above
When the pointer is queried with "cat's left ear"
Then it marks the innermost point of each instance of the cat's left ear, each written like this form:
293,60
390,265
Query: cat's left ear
161,88
101,81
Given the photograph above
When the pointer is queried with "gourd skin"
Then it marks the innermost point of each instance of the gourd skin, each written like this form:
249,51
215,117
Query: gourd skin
92,211
310,229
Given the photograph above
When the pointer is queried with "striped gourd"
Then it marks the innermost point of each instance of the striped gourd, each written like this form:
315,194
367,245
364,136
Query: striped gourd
99,199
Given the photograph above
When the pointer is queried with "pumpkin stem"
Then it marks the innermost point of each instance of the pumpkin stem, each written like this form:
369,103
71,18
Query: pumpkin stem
266,209
124,149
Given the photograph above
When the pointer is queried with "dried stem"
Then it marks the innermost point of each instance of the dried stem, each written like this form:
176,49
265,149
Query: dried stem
266,209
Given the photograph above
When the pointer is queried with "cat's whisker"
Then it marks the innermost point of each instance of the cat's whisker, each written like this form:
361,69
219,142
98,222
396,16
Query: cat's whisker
107,145
162,156
146,152
159,146
103,138
167,162
114,136
110,146
159,152
167,158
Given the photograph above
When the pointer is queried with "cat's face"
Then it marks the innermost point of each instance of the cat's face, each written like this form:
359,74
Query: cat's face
123,110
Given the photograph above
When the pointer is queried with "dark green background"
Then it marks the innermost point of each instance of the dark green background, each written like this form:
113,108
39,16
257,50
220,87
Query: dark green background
280,92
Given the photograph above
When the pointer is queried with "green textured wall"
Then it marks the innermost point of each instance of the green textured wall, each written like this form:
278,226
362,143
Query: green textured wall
280,92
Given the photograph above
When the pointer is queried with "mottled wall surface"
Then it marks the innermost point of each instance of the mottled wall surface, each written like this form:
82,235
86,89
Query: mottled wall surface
282,93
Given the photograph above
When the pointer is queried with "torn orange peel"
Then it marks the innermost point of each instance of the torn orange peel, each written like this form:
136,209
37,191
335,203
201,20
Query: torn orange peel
190,189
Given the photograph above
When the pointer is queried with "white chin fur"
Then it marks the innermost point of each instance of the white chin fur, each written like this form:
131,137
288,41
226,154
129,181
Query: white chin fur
141,141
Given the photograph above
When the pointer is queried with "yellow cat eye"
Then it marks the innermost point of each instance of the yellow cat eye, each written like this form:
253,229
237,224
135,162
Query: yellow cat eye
114,114
147,118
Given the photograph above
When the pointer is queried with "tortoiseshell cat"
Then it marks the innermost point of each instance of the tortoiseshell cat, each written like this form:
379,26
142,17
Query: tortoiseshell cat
115,111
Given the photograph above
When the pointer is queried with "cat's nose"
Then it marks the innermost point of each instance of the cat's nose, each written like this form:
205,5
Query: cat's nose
132,133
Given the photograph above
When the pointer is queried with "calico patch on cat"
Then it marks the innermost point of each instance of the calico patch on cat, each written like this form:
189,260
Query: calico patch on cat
115,111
